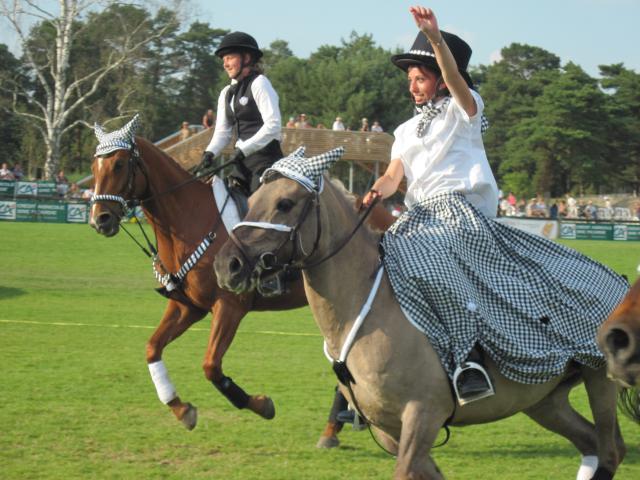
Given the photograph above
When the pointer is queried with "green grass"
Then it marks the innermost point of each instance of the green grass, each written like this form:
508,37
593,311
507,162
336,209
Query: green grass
77,402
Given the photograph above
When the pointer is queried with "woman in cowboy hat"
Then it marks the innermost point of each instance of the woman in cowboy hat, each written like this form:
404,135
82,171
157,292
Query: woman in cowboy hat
249,105
462,278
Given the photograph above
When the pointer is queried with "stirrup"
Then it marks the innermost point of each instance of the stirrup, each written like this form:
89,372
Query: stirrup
472,366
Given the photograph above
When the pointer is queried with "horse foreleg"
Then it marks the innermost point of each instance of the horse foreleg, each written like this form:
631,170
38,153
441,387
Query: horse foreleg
602,395
420,427
176,320
556,414
227,313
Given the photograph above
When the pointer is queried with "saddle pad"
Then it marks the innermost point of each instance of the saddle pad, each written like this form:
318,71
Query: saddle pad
230,215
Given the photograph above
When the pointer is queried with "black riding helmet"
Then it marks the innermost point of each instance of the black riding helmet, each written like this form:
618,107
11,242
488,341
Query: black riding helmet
238,42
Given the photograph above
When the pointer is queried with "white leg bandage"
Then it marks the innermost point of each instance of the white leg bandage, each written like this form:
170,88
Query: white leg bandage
588,467
164,387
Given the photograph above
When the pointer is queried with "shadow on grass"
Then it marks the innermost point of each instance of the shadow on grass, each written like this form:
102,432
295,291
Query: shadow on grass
9,292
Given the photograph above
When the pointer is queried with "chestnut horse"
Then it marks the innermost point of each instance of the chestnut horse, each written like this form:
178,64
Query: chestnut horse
393,374
182,213
619,339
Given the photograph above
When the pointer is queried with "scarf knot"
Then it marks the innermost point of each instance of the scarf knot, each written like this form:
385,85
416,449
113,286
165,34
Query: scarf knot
430,111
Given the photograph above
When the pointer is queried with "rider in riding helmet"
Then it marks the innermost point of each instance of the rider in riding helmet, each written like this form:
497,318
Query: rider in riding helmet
248,106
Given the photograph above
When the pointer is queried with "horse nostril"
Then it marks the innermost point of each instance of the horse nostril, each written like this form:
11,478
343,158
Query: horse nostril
103,218
235,265
617,340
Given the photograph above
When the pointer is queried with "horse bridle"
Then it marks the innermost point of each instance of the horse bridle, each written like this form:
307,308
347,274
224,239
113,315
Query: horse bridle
127,201
268,260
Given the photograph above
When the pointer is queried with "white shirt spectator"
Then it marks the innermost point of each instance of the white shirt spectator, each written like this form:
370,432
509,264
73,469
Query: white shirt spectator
338,125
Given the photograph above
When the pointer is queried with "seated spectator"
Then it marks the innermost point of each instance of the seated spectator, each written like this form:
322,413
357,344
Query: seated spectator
321,126
562,209
185,131
87,194
572,207
74,191
18,173
303,123
541,207
364,126
338,125
291,123
376,127
62,183
208,120
590,211
553,211
6,173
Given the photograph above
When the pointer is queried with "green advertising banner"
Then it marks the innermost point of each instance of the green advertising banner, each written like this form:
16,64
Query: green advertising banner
23,210
77,213
8,210
33,189
7,188
47,189
600,231
52,212
626,232
27,211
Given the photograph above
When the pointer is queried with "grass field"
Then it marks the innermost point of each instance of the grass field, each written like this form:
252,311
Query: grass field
77,402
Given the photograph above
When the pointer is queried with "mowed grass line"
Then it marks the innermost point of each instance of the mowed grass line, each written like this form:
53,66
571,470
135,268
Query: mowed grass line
77,401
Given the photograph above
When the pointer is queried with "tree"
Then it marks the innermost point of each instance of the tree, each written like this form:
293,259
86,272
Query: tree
623,130
57,92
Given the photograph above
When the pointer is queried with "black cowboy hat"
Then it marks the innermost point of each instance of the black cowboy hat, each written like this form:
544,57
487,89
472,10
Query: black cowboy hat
421,53
238,42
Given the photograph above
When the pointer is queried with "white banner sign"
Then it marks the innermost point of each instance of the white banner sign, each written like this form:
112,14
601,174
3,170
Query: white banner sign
544,227
7,210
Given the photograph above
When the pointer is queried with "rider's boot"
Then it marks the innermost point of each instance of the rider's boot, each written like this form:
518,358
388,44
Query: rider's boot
471,381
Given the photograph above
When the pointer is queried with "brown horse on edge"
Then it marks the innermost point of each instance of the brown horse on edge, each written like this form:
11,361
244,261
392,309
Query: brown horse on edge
180,219
395,376
619,339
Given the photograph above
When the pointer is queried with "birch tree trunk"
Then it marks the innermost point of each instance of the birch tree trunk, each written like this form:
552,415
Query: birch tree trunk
64,93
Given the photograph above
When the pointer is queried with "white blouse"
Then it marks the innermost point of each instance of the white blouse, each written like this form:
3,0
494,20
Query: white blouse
449,158
266,100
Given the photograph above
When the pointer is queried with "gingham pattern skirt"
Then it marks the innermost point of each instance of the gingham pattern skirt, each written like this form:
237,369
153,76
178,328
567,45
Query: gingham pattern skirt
530,303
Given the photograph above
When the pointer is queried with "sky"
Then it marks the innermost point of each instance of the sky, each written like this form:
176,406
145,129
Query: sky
587,32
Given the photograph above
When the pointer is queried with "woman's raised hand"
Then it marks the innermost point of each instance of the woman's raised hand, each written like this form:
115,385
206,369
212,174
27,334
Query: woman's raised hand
426,21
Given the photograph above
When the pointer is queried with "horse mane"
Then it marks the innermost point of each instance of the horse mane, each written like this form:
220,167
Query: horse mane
147,146
353,203
629,403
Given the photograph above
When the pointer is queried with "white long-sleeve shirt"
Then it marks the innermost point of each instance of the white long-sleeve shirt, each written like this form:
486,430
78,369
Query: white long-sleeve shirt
267,102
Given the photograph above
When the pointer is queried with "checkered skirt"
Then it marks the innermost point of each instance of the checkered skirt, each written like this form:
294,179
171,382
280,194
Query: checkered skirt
531,304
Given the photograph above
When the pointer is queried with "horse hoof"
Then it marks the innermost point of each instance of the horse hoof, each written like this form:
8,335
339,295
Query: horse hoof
328,442
190,417
268,410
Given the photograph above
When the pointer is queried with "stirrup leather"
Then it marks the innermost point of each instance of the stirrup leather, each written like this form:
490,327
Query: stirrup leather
472,366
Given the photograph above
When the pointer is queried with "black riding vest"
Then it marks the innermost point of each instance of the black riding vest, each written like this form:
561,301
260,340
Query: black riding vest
247,120
245,115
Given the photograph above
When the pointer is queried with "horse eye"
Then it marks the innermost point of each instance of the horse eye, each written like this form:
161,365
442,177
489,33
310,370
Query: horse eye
117,166
285,205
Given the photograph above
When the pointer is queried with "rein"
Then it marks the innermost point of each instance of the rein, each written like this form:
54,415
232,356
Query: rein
168,280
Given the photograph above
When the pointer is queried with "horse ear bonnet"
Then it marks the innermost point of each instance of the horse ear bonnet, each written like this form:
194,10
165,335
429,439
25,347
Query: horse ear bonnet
308,172
122,139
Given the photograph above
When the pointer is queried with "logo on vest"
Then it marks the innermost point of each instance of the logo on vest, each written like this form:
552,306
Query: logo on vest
243,101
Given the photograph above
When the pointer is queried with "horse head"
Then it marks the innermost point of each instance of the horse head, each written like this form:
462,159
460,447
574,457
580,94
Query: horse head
619,339
283,228
115,169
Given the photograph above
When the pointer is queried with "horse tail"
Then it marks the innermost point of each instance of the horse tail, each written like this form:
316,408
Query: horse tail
629,403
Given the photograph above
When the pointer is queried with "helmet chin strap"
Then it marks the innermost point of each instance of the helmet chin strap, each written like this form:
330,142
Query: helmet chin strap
243,65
